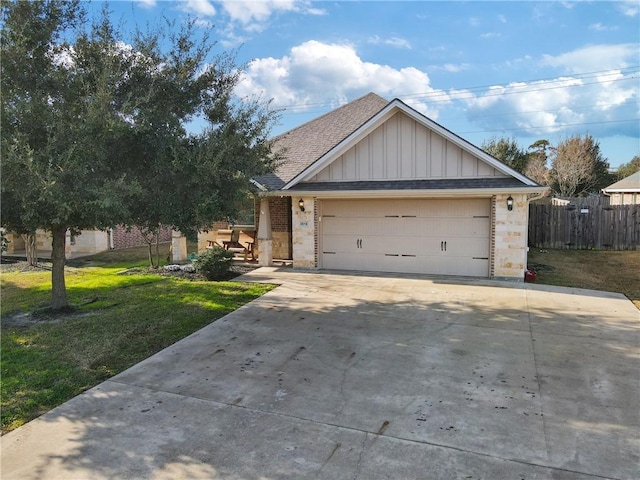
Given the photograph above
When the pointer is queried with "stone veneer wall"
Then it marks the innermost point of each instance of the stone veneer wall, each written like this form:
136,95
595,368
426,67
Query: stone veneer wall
509,244
304,238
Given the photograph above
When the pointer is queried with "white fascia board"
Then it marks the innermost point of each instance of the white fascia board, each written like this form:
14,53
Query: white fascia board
466,192
378,119
258,185
621,190
362,131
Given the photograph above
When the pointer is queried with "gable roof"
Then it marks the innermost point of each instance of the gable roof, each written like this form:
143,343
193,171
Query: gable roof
627,184
312,146
304,145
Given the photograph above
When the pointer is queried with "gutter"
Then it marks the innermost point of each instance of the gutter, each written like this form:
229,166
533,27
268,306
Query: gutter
467,192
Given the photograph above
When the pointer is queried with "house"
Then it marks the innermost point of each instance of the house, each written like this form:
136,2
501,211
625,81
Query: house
87,242
377,186
624,192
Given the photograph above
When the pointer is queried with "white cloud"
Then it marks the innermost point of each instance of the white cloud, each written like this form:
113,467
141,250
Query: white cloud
630,8
251,13
474,21
316,72
203,23
502,18
595,91
549,106
393,42
594,57
599,27
147,3
451,67
198,7
490,35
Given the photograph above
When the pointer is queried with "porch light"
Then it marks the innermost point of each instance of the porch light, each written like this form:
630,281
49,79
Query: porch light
301,205
510,203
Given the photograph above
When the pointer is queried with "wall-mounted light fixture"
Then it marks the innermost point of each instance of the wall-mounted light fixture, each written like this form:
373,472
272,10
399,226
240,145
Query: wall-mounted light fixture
301,205
510,203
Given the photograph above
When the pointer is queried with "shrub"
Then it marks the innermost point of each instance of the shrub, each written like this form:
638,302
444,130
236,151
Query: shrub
214,263
4,241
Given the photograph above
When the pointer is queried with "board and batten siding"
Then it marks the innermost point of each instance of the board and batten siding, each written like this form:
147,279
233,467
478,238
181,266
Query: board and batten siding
402,149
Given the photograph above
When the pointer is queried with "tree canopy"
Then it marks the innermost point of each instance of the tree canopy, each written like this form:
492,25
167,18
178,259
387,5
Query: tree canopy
629,168
94,129
508,152
573,167
578,167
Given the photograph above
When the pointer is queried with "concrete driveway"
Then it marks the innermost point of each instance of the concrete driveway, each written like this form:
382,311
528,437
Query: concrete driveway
343,376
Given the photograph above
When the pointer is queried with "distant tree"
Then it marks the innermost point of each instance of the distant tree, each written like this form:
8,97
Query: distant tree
578,167
538,156
629,168
93,128
507,151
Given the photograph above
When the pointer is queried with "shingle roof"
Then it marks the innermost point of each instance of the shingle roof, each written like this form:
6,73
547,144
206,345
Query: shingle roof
628,184
305,144
440,184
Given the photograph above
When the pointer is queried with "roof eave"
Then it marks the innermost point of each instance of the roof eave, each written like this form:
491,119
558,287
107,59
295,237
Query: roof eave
445,192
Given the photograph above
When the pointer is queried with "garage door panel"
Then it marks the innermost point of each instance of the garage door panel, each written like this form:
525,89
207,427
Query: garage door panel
443,236
359,225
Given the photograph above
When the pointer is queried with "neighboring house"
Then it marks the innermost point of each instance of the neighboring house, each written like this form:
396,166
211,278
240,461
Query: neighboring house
87,242
625,192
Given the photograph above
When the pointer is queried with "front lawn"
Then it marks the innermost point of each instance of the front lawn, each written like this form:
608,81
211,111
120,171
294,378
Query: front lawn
593,269
119,320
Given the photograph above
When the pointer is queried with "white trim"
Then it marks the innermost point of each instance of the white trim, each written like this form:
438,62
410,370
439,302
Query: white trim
620,190
466,192
258,185
378,119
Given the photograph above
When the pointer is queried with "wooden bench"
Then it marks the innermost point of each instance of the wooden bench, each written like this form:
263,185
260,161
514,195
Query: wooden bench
232,244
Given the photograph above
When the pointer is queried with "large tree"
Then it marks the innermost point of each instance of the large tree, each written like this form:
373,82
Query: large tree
578,167
507,151
628,168
94,128
537,159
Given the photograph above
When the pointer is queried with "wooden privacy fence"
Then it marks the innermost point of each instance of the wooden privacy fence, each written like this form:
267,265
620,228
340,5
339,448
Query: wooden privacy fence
584,227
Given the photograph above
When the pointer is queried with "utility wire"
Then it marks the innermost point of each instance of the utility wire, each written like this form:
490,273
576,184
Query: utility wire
511,85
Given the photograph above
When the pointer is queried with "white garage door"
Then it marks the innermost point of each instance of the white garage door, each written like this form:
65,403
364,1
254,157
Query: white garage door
444,237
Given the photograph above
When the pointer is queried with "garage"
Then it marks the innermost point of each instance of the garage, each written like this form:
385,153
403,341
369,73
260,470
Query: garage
429,236
377,186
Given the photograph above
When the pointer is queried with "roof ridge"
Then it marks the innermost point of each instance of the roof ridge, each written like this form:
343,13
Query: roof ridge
330,112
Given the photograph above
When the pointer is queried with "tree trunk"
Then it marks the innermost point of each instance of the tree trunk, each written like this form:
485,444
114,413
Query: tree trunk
150,248
31,251
58,287
158,249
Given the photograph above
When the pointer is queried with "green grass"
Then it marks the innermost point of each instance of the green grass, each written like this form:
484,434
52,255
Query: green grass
592,269
119,320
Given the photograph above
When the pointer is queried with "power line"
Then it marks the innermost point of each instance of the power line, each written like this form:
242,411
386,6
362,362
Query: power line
432,96
553,126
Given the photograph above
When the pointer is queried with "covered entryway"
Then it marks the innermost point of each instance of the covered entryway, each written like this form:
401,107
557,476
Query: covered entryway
432,236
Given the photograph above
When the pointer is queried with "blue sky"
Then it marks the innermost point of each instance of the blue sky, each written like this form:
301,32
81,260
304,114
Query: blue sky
527,70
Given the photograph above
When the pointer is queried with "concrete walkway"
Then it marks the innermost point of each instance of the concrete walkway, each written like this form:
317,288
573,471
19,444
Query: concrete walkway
343,376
